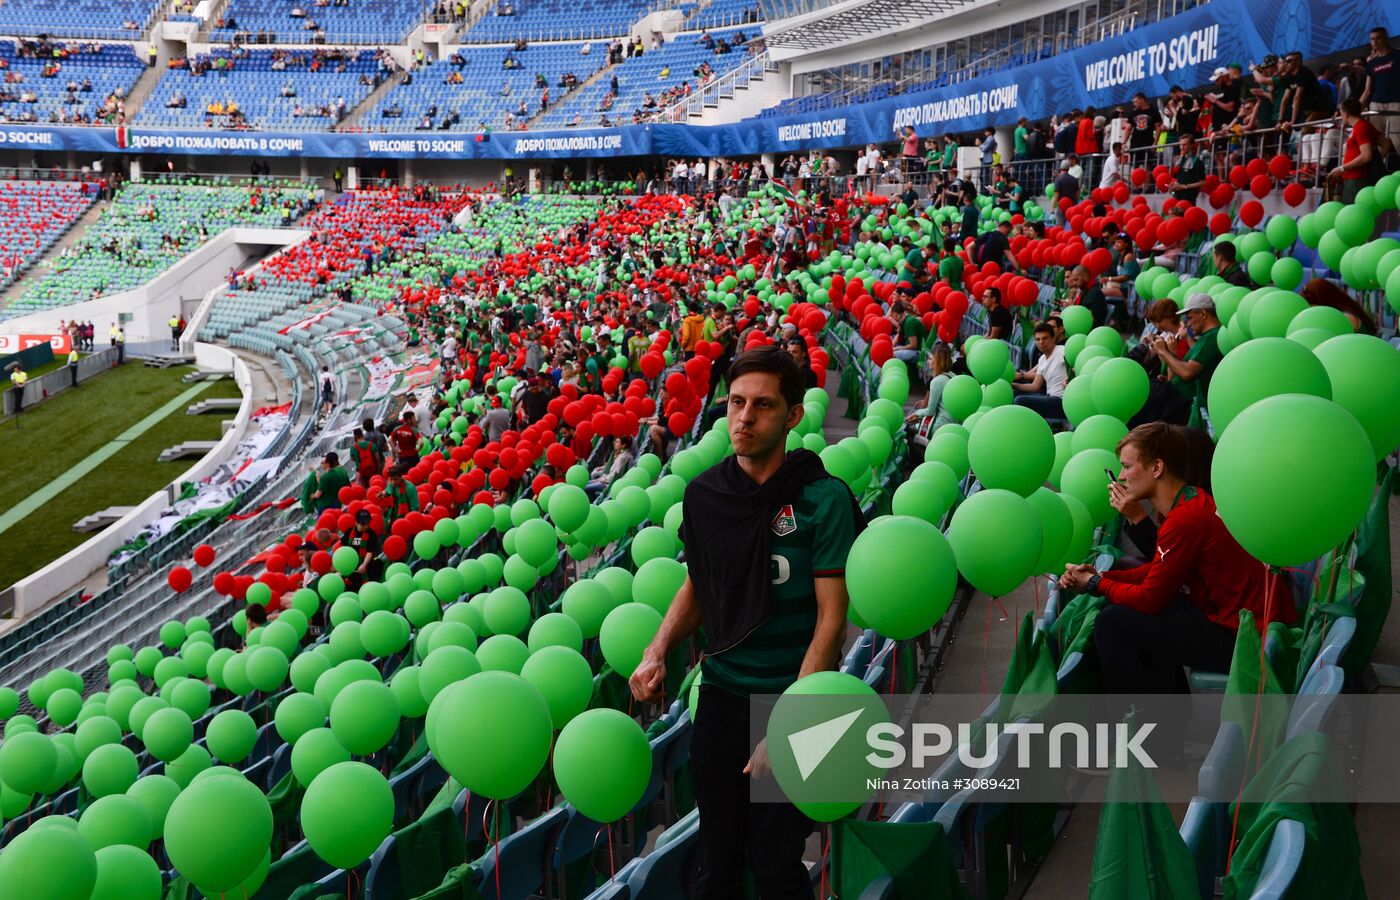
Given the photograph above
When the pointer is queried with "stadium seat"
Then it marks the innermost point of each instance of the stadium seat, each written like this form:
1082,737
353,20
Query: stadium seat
521,861
1281,864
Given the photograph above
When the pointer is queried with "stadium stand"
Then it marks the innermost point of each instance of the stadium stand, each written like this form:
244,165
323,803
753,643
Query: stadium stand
266,89
340,22
46,83
33,216
482,90
556,20
148,227
725,14
648,83
87,19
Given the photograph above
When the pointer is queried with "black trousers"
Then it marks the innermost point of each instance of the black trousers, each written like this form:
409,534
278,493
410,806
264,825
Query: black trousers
1144,654
771,836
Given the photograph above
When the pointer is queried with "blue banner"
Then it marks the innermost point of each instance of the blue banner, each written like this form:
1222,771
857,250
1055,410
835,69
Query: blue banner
1181,50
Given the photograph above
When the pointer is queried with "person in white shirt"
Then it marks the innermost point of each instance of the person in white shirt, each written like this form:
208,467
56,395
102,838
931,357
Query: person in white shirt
1113,167
1043,387
862,167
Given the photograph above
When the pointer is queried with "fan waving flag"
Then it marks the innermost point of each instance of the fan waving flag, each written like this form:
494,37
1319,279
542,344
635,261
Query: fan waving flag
783,192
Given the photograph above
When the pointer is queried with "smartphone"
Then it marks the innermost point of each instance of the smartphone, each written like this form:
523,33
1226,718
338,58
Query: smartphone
1111,477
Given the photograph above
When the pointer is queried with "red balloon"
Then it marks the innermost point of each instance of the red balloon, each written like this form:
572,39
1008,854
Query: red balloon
1260,185
1219,223
180,579
1294,194
395,547
321,562
499,479
1252,213
1139,176
679,423
224,583
1239,177
1221,196
1280,166
204,555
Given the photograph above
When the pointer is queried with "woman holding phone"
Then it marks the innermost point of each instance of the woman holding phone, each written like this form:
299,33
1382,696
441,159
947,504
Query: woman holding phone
1150,629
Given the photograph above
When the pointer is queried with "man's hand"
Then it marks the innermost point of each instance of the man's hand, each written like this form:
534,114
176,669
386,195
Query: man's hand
759,766
1070,580
1118,498
648,680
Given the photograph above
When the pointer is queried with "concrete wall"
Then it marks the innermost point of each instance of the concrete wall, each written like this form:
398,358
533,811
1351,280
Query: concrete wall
60,577
152,304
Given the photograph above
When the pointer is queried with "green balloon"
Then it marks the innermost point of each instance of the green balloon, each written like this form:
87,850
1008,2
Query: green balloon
893,605
408,690
27,761
483,757
364,717
306,668
1263,367
330,586
64,705
448,584
116,819
48,864
1282,231
155,793
1271,313
987,360
267,668
96,732
602,764
172,634
996,539
1085,480
347,813
445,666
657,582
1286,273
920,499
230,736
1354,225
1011,448
564,678
316,751
502,653
1103,432
652,542
507,610
422,607
167,733
1057,525
961,396
1119,388
218,831
949,448
194,760
1327,460
519,574
110,769
536,542
568,507
297,714
345,560
554,630
126,873
588,602
1356,365
426,545
625,634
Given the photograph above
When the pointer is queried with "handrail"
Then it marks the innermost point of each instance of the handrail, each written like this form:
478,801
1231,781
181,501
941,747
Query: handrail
717,89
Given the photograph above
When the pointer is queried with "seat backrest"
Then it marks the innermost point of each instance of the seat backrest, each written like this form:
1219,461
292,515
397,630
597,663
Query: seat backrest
665,872
1281,863
522,857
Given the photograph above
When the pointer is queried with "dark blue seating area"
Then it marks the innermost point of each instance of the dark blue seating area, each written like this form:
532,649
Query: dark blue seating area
89,19
727,14
557,20
257,89
353,22
36,98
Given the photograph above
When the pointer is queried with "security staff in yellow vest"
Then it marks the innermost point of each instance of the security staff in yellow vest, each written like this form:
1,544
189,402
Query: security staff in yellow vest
174,332
73,365
18,379
112,335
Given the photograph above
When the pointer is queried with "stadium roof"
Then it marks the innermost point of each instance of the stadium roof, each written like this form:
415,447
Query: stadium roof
843,23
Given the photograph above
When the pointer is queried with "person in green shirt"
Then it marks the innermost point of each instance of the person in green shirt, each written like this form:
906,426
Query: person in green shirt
331,479
912,333
403,497
528,313
950,265
1018,139
950,154
1188,378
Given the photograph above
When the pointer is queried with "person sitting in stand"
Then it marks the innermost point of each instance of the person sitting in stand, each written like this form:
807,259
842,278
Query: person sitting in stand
1227,265
1043,387
1182,608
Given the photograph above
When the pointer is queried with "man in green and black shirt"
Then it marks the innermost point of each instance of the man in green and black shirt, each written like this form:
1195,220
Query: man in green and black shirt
766,535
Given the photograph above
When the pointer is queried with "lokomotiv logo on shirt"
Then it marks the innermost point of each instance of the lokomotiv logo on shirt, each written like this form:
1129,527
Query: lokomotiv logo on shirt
785,522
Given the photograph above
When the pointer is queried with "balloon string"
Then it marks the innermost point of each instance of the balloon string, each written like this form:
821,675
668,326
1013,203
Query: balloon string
826,851
986,641
1254,726
496,848
612,863
1035,585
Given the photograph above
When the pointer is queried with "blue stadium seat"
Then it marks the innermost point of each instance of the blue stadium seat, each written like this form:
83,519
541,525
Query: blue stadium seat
523,858
1281,863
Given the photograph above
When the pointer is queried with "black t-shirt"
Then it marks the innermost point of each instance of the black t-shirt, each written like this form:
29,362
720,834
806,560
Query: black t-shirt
1191,170
1385,77
992,247
1000,318
1219,116
1066,185
1316,98
1187,116
364,543
1143,121
536,405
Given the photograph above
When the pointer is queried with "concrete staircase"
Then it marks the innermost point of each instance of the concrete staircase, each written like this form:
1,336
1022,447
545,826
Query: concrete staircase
216,12
605,72
141,91
356,116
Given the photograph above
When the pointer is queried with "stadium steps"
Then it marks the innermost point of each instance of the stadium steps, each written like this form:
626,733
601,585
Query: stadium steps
566,97
141,91
216,11
371,102
39,268
229,404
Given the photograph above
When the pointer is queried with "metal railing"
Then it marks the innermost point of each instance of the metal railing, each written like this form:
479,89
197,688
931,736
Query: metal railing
712,92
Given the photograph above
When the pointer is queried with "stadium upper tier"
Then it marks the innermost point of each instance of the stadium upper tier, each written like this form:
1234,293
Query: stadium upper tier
68,84
82,19
341,21
147,229
281,89
488,92
557,20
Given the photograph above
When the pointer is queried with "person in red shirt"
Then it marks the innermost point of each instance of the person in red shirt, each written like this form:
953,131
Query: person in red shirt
405,441
1150,629
1362,145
